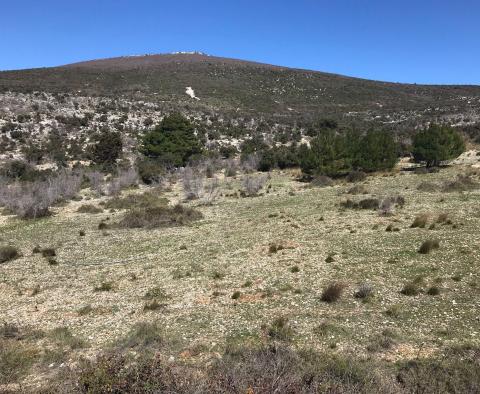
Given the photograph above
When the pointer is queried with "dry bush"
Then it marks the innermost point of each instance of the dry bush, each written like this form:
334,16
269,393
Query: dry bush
367,203
443,218
8,253
192,183
411,289
266,369
357,189
332,292
356,176
230,168
428,187
149,199
388,204
321,181
32,200
96,180
156,217
280,329
463,183
250,163
251,185
89,208
211,191
428,246
420,221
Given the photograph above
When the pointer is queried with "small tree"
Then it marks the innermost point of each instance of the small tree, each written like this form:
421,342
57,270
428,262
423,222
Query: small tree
377,150
327,155
172,142
437,144
107,148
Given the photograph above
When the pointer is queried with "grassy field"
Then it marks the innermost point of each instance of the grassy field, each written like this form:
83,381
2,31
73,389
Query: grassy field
248,262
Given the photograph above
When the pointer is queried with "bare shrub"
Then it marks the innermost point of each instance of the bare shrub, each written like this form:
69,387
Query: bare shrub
321,181
230,168
428,187
192,183
211,191
357,189
250,163
251,185
33,199
389,203
149,199
96,180
463,183
127,177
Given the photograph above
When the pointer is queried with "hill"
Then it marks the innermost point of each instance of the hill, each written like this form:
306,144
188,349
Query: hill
247,88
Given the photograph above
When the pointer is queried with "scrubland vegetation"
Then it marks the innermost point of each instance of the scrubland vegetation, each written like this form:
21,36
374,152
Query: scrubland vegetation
332,265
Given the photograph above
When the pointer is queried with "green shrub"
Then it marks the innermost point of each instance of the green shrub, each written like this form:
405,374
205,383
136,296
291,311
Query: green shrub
106,149
437,144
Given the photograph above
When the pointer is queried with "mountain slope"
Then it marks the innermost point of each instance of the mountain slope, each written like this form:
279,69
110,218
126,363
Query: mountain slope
244,87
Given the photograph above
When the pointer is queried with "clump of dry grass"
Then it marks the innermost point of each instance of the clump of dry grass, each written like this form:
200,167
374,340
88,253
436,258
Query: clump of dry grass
444,218
89,208
357,189
428,246
150,199
8,253
280,329
178,215
462,183
104,286
411,289
420,221
333,292
321,181
367,203
428,187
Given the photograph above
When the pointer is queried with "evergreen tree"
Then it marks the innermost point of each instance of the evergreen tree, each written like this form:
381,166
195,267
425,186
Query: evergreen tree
172,142
437,144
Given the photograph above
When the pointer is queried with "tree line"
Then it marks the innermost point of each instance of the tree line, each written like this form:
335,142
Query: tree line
175,142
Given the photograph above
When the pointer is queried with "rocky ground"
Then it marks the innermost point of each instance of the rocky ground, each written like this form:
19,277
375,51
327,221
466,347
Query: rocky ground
252,260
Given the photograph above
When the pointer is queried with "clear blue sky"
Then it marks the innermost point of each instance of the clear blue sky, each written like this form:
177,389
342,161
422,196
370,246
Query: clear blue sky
423,41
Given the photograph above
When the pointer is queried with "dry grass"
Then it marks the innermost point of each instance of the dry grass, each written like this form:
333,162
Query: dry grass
233,238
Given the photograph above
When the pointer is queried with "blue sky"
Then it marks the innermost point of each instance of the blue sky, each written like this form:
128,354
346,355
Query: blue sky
422,41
